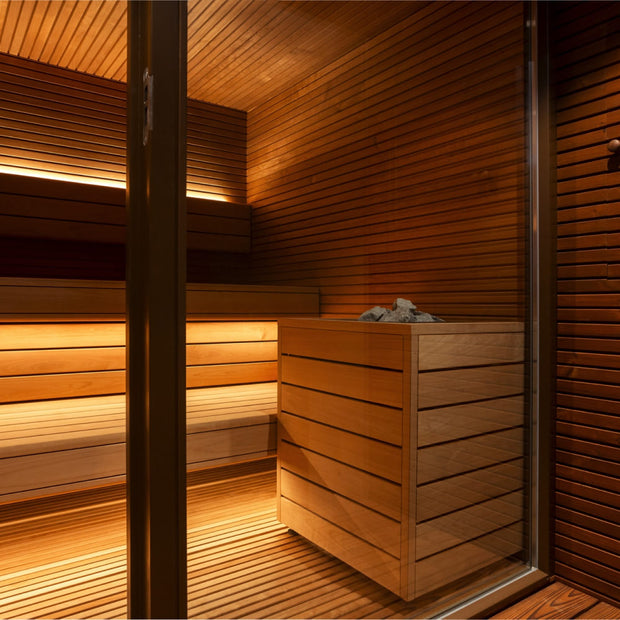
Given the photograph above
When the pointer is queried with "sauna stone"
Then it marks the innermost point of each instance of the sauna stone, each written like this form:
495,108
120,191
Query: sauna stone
401,446
403,311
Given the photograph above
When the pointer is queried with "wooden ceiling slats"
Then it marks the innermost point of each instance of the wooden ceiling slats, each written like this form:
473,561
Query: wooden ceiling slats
239,53
219,44
20,18
276,57
104,43
82,32
38,18
41,40
63,37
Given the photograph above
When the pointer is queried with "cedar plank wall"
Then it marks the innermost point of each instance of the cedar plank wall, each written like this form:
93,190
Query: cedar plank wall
399,170
62,121
586,61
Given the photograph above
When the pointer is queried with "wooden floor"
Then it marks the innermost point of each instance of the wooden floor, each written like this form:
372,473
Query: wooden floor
559,601
65,558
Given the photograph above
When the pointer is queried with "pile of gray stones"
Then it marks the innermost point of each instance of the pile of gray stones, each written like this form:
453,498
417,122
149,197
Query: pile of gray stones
403,311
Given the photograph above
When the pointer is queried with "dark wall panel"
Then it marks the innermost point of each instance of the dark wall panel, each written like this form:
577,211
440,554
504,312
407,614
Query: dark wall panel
399,170
586,63
59,121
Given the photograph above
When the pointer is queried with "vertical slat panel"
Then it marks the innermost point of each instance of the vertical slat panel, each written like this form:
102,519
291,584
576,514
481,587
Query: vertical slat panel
587,78
398,170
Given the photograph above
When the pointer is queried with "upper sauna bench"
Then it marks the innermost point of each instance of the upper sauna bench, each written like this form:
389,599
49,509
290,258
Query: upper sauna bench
62,379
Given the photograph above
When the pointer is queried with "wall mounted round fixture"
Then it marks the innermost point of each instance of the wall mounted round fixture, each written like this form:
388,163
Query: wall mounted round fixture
614,146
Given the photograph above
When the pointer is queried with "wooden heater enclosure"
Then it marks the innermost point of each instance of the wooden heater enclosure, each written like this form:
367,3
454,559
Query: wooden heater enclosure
401,446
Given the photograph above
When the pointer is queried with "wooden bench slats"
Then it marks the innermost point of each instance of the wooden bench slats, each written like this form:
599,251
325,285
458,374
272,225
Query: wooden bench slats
62,378
24,336
231,352
234,331
42,336
78,423
89,466
28,300
44,361
39,387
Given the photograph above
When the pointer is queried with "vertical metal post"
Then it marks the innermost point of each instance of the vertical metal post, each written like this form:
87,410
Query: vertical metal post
542,280
157,547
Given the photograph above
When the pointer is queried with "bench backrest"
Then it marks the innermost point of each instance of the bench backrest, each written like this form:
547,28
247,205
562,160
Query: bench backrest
66,338
44,361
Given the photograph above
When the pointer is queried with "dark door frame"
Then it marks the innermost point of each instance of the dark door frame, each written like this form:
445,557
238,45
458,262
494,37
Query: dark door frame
156,165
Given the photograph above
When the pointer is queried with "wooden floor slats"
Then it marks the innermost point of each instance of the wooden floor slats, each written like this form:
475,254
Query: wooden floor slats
559,601
67,559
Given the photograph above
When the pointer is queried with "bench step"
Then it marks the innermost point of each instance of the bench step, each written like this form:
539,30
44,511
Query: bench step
52,446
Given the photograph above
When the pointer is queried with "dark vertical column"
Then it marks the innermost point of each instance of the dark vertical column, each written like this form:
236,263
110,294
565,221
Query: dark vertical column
543,274
157,58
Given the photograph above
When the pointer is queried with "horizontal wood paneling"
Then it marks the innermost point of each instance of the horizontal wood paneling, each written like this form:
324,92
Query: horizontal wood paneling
374,174
454,442
587,78
28,299
65,122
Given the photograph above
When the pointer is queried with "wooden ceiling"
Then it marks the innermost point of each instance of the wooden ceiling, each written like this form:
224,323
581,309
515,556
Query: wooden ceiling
240,52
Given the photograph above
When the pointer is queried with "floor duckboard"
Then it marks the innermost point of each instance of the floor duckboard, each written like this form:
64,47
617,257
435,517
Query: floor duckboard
66,558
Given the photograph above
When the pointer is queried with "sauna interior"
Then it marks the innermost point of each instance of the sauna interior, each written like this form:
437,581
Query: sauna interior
340,155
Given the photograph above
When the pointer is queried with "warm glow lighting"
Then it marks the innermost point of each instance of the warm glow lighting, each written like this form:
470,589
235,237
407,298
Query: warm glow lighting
59,176
206,196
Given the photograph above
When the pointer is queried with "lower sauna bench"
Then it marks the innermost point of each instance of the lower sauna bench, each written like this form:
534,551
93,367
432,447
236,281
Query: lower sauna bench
401,446
62,411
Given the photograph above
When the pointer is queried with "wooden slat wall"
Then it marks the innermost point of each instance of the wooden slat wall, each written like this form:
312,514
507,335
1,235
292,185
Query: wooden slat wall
55,209
66,122
399,170
30,299
587,81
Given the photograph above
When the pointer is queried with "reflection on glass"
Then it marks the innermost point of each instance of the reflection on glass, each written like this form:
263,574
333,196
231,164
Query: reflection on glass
386,158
